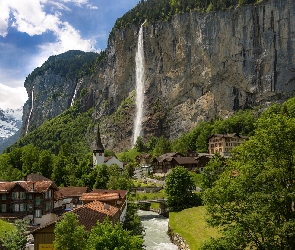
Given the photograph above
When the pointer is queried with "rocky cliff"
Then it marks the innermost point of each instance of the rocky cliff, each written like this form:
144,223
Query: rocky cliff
197,67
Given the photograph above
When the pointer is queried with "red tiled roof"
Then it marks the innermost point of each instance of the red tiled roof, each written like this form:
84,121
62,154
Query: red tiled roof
38,186
73,191
100,197
122,193
6,186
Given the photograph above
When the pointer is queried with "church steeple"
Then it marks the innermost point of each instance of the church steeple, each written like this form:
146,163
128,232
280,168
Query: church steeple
98,151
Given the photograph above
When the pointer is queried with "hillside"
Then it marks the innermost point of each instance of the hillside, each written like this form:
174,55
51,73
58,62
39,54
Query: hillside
199,64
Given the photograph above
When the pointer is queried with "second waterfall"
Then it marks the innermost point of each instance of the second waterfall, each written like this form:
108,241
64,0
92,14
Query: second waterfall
139,70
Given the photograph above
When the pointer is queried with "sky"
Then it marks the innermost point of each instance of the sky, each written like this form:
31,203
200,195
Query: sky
33,30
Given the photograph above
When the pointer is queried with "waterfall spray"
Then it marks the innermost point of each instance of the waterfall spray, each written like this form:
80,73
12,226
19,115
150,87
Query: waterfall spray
32,105
139,64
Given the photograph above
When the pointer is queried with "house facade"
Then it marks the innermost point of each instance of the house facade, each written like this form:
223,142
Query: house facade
88,216
28,200
224,143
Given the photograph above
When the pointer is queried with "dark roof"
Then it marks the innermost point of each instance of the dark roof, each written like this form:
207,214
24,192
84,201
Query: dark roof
161,158
35,177
229,135
185,160
73,191
122,193
98,144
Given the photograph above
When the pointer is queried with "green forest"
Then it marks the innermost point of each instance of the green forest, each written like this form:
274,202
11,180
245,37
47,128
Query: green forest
60,149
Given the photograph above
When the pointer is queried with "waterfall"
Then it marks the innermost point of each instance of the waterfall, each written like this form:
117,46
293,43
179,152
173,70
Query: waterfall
139,70
75,92
32,105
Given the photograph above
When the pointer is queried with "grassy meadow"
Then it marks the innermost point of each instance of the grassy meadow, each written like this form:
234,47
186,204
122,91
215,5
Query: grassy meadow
191,225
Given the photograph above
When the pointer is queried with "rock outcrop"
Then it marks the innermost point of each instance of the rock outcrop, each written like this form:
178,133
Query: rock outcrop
197,67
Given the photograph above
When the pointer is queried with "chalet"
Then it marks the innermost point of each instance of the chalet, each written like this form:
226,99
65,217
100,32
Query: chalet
224,143
99,158
116,198
161,164
88,216
31,199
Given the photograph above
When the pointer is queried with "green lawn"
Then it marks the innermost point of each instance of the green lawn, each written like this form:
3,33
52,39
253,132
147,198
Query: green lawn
5,226
191,225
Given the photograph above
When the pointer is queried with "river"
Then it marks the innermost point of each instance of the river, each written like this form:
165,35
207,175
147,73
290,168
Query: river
156,227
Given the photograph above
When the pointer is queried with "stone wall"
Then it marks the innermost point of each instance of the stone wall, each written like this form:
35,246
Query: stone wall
177,240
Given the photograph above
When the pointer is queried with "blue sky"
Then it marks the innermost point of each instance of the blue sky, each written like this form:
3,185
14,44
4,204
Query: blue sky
33,30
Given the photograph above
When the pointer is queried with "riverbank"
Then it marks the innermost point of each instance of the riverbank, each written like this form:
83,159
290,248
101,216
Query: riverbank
192,226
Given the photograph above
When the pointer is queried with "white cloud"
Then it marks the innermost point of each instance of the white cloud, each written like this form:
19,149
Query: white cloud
12,98
4,18
29,17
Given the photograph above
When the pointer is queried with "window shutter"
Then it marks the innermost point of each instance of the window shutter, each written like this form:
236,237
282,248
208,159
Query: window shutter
13,195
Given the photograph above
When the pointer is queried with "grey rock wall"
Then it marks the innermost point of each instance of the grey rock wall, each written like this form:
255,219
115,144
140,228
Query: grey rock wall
198,66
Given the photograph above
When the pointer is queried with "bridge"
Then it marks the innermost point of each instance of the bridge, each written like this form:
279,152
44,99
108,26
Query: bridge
162,202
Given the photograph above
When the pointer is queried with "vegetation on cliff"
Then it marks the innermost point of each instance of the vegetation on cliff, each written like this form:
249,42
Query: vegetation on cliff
72,64
154,10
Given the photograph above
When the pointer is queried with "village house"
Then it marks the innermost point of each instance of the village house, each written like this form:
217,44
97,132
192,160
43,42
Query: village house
224,143
72,195
88,216
31,198
193,161
161,164
117,198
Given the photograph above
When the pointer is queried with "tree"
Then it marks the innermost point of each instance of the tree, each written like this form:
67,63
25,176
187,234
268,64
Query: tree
16,239
212,171
69,234
101,176
179,189
253,199
132,222
106,236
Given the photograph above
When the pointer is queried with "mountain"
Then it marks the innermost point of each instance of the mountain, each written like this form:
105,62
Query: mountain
10,124
197,66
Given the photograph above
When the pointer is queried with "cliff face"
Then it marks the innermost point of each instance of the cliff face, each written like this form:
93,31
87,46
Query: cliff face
197,66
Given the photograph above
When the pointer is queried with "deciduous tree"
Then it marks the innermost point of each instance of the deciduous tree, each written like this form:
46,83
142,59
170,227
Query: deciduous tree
253,199
179,188
69,234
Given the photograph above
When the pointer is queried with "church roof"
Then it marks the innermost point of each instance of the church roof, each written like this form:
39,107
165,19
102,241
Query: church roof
98,144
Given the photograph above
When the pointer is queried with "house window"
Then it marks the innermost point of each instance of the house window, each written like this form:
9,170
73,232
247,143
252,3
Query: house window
48,206
37,200
4,197
38,213
15,195
30,196
22,195
3,208
15,207
22,207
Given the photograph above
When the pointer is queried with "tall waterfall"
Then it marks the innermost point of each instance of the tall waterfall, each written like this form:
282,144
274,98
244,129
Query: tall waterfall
32,106
139,64
74,96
